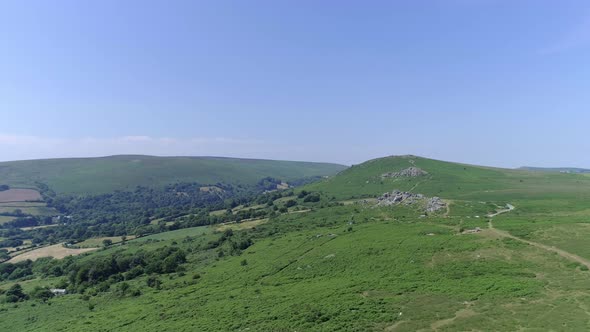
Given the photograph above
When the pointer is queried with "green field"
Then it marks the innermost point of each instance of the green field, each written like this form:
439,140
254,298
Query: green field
346,265
5,219
100,175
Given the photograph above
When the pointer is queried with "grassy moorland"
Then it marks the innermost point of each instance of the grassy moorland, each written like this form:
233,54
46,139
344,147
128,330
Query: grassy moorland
102,175
345,265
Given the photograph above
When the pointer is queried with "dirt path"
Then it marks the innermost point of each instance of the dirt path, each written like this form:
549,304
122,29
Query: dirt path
560,252
418,183
463,313
509,207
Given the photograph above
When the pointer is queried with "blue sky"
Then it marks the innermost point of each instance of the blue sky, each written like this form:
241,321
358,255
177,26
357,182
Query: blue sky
504,83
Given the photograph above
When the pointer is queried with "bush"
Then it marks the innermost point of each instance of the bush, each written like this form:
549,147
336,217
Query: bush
16,294
41,293
312,198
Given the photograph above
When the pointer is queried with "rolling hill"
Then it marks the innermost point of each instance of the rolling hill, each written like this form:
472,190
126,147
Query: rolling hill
101,175
556,169
508,253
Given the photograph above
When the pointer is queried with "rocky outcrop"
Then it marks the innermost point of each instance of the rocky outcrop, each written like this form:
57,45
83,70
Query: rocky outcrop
396,197
434,204
399,197
408,172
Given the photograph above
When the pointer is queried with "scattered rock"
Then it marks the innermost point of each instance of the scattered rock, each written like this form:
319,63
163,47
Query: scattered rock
407,198
472,231
398,197
434,204
408,172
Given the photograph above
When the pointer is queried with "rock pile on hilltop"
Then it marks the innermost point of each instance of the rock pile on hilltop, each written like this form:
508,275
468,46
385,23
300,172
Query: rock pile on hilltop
408,172
407,198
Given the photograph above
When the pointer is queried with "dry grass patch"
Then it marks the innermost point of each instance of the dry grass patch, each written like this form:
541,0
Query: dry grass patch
241,225
57,251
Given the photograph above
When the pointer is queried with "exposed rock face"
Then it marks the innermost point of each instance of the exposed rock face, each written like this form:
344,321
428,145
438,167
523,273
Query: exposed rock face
403,197
408,172
434,204
397,197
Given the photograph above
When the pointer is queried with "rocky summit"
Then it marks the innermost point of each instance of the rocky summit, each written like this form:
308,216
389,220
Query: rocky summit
408,172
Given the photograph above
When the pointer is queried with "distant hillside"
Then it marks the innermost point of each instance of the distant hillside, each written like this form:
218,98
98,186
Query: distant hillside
556,169
445,179
106,174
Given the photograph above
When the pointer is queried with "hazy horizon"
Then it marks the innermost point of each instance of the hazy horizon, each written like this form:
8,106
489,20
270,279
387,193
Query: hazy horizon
492,83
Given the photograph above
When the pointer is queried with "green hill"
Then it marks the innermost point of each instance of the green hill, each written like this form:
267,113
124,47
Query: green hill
509,253
100,175
449,180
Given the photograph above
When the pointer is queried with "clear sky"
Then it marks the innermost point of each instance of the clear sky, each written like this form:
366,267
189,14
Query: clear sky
503,83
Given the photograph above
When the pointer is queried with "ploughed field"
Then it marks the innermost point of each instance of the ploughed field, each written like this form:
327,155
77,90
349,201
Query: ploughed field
19,195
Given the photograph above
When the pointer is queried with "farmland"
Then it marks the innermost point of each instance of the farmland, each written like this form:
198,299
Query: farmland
19,195
57,251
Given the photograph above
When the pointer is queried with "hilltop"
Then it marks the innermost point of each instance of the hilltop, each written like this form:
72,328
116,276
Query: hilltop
446,179
125,172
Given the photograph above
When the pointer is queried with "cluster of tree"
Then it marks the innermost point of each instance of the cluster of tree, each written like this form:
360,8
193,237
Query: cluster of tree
14,213
11,243
99,272
132,212
230,243
28,221
16,294
268,183
104,271
4,255
9,271
309,197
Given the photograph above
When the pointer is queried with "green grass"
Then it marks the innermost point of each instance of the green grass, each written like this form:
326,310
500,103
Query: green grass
33,210
178,234
354,267
453,181
100,175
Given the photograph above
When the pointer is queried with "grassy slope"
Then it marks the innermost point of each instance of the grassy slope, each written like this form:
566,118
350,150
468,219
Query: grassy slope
96,175
383,274
452,181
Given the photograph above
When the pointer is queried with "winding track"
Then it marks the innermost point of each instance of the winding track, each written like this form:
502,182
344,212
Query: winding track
560,252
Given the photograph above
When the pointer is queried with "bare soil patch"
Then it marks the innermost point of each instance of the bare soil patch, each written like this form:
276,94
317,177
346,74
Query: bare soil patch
19,195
